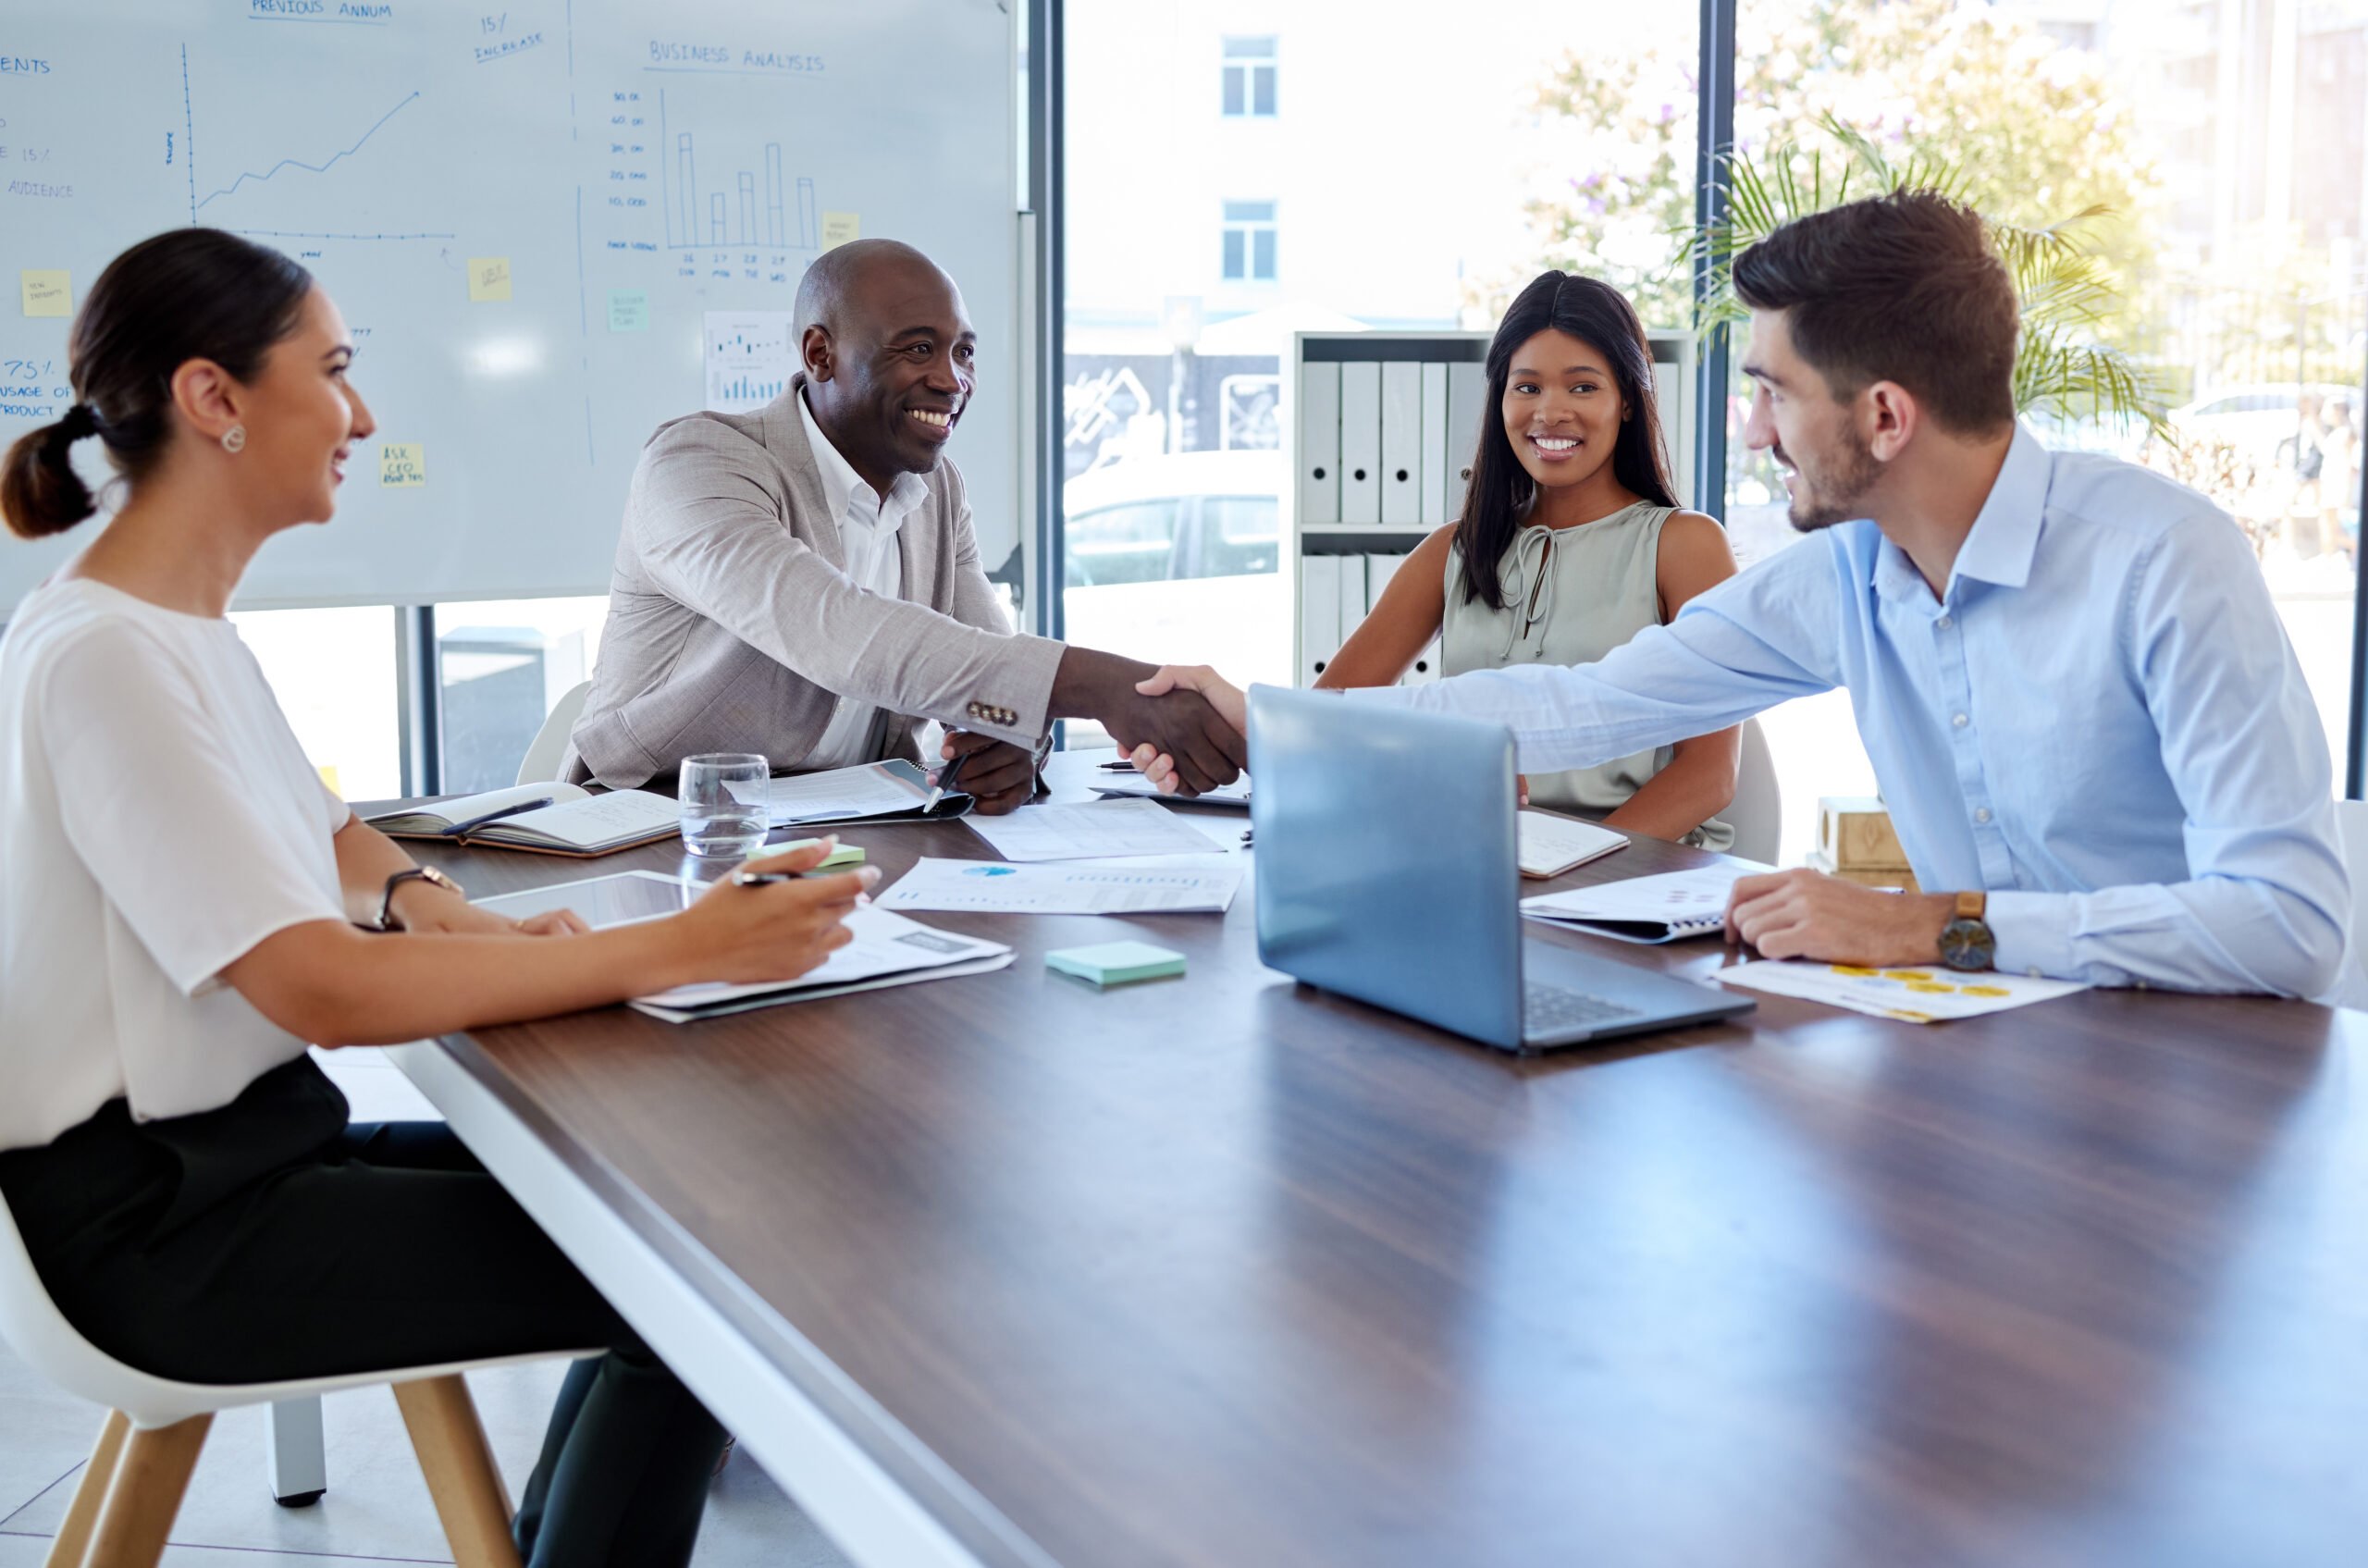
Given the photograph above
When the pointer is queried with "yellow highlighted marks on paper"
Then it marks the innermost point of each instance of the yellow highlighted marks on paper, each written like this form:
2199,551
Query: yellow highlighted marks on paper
1905,974
840,227
1985,991
402,466
1854,971
489,280
46,291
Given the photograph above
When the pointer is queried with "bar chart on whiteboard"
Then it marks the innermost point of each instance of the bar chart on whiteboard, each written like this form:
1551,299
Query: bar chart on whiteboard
748,358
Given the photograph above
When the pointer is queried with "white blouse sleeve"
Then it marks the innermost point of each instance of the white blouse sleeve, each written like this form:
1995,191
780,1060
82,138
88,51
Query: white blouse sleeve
185,846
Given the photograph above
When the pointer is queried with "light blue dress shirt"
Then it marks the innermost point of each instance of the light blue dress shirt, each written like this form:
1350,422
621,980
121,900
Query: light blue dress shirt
2100,723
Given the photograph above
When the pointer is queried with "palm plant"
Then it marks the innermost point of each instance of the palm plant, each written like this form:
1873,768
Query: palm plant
2061,367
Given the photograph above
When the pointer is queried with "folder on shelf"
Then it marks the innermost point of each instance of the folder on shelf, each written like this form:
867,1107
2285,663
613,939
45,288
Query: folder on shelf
1353,598
1434,474
1319,433
1467,390
1401,443
1426,668
1379,569
1361,442
1319,614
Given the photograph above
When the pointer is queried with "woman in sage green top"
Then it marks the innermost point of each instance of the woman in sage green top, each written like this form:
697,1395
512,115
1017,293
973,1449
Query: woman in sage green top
1570,505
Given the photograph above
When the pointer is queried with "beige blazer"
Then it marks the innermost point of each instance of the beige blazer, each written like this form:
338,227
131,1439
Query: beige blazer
733,625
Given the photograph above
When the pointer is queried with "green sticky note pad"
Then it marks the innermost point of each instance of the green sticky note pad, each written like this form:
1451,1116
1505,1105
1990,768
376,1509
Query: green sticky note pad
1117,963
845,855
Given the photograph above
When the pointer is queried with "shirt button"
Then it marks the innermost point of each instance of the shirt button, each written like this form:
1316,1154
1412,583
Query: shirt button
1960,721
1981,813
1946,621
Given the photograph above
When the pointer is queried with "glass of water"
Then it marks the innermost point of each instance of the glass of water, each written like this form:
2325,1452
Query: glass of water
723,795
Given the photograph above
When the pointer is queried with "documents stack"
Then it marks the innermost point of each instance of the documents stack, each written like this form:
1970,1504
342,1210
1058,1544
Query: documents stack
1855,841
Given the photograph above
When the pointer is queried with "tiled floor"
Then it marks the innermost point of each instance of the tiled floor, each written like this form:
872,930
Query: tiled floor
377,1508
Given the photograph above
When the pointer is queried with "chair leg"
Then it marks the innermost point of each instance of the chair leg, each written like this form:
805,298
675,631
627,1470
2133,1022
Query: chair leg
458,1461
146,1493
295,1464
74,1533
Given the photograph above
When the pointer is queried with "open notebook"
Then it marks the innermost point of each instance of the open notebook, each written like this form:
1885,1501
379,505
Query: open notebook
1668,907
576,821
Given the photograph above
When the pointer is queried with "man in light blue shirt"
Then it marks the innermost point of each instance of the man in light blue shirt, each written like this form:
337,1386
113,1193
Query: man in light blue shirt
2078,699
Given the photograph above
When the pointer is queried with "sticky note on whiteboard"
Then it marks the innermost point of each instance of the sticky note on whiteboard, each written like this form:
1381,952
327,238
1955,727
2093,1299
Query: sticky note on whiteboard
47,292
840,227
628,310
402,466
489,280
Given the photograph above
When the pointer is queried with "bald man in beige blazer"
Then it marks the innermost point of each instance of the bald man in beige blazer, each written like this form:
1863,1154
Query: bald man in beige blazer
803,581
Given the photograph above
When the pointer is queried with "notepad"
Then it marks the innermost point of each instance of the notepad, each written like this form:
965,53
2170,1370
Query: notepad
890,791
576,822
1117,963
1552,845
1668,907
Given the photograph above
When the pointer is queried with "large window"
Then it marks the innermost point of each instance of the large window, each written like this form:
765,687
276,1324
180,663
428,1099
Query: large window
2219,143
1412,186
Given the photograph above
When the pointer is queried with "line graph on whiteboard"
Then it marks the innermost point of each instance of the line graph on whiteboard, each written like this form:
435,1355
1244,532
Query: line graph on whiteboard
235,190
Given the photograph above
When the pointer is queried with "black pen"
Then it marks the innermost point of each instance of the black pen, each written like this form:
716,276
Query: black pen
766,879
944,782
457,829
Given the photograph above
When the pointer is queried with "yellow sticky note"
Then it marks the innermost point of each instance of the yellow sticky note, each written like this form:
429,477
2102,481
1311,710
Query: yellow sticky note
840,227
47,293
488,279
402,466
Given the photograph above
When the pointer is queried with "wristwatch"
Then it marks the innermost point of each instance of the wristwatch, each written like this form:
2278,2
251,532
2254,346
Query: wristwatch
1966,942
429,874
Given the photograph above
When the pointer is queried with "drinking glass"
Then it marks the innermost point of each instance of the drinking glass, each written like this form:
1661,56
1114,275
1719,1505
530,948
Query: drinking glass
725,811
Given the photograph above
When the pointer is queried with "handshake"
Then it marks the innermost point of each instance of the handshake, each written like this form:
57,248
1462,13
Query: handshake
1182,725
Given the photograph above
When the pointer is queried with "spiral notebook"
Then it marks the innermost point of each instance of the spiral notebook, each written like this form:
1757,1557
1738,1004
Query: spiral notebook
1668,907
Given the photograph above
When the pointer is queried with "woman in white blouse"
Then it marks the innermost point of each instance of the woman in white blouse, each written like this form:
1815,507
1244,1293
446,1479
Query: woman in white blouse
184,907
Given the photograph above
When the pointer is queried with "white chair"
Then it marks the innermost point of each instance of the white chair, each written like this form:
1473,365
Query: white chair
1757,811
541,764
2351,986
155,1427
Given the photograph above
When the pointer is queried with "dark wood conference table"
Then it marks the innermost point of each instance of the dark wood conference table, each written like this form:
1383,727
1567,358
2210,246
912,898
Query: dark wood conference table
1225,1271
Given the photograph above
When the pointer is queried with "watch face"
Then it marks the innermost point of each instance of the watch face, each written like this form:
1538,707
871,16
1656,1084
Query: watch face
1967,945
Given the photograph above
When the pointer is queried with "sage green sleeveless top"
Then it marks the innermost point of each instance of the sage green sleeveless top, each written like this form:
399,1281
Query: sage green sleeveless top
1571,595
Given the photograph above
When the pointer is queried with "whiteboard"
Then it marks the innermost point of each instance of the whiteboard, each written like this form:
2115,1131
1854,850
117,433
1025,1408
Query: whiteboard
630,168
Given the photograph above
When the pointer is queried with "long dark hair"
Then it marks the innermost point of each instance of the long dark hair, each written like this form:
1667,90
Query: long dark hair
1501,489
187,294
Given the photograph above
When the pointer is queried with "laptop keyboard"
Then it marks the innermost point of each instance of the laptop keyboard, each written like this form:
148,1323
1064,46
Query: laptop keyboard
1550,1009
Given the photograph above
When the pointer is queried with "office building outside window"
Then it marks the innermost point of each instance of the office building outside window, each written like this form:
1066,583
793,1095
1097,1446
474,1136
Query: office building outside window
1249,241
1412,178
1249,78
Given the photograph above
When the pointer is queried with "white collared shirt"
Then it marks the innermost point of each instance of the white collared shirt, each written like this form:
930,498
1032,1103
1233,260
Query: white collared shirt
2101,722
868,526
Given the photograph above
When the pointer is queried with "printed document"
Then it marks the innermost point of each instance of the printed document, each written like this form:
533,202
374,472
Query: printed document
1098,830
1657,909
887,950
1925,995
847,795
992,887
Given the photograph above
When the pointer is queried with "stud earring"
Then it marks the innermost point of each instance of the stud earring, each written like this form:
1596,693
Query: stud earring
234,438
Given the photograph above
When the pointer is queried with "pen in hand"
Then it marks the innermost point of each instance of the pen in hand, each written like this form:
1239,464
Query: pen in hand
945,776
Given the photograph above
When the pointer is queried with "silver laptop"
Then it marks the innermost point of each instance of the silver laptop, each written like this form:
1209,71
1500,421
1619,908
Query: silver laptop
1387,871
